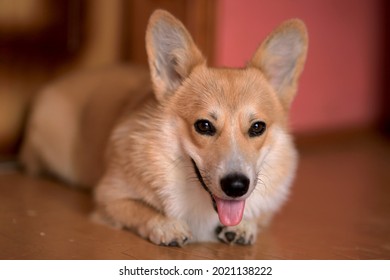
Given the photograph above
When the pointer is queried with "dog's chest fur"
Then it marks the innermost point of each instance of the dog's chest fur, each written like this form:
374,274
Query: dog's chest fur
186,200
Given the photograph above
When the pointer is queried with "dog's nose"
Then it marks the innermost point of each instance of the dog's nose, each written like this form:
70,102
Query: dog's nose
235,184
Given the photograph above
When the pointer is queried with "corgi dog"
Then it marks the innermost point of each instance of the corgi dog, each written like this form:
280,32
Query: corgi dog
183,153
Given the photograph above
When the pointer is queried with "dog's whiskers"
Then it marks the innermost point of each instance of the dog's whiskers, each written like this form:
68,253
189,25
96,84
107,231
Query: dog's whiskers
261,176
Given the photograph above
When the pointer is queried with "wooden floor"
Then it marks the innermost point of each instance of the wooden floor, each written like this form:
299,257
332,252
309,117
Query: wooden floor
339,209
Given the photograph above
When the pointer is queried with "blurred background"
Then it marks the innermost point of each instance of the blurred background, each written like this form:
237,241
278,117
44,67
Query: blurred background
345,85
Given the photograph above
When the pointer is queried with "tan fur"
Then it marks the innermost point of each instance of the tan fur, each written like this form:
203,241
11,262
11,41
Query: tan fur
148,182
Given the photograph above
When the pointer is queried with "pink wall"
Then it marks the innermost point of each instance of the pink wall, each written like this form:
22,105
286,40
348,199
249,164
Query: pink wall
339,87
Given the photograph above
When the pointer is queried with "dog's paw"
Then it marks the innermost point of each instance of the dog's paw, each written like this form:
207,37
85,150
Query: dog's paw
243,234
167,232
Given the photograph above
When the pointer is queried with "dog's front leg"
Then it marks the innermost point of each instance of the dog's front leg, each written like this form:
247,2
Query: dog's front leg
244,233
146,221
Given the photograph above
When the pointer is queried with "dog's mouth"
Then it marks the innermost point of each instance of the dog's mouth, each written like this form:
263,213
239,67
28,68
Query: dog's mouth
230,212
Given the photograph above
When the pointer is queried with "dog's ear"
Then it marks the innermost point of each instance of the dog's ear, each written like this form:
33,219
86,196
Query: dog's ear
281,58
171,52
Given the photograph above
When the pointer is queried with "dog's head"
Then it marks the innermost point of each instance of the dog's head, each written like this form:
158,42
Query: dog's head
226,118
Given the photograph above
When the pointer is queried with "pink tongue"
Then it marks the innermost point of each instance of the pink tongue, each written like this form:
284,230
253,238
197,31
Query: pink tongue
230,211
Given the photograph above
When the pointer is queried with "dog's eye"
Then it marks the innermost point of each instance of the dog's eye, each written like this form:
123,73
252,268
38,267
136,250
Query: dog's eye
205,127
257,129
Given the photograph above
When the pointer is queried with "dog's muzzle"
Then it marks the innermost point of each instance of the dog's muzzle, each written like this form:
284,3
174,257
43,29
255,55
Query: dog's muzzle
200,178
235,185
